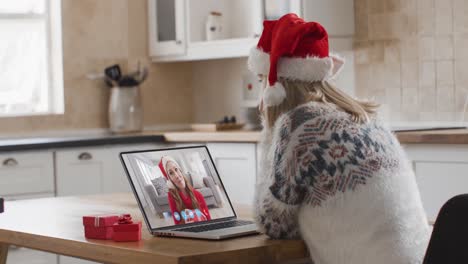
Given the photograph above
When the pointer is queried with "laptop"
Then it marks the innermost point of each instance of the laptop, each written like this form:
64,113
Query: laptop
180,194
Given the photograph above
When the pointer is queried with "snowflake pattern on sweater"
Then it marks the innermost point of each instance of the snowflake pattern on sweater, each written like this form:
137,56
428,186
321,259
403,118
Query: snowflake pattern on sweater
332,154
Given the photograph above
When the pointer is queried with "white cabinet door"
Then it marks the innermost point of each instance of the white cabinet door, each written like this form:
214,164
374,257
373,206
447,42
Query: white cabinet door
95,170
236,165
166,20
441,172
18,255
79,171
26,173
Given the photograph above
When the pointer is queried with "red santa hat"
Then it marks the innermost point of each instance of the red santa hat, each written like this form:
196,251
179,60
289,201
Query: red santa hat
163,165
293,49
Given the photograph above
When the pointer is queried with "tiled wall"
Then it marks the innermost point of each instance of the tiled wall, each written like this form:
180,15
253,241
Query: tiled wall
412,56
98,33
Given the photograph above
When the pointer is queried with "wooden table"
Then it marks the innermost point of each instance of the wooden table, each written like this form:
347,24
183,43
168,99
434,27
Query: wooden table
55,225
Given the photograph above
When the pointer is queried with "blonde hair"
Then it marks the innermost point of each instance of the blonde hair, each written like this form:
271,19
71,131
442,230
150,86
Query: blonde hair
300,92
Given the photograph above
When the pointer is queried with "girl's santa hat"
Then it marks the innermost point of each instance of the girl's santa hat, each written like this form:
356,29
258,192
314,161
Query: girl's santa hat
163,165
292,49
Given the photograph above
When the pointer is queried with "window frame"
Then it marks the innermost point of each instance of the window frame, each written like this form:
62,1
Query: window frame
54,55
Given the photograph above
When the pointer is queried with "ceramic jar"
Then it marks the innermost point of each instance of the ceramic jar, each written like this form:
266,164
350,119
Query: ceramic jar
214,26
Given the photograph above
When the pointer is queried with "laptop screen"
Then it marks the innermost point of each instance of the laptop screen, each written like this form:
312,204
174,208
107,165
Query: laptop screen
177,186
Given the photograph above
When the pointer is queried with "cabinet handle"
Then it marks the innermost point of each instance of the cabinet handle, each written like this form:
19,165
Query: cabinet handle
10,162
85,156
256,35
178,42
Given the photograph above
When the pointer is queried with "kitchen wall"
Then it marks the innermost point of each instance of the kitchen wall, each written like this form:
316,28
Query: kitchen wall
412,56
98,33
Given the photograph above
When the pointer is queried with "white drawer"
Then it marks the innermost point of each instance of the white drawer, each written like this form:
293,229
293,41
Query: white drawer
18,255
25,173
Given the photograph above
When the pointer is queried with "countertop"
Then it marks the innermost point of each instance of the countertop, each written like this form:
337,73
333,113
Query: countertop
35,143
450,136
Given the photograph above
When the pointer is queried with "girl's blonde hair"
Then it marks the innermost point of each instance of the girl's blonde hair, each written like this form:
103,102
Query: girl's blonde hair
300,92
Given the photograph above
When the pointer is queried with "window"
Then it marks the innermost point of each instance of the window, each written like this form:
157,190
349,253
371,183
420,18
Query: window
31,75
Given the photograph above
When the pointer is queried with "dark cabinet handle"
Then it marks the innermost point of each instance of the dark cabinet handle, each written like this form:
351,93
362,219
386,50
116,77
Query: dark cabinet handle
10,162
178,42
85,156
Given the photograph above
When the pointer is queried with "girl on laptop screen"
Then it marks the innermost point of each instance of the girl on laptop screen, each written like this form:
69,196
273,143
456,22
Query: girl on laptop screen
187,204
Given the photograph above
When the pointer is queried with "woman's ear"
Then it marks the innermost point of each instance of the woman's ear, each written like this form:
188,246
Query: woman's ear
338,63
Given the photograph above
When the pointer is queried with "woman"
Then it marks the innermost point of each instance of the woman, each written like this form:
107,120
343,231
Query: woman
331,173
187,204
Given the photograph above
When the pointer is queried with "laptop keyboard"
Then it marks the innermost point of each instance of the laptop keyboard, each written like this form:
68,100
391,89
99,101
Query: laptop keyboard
209,227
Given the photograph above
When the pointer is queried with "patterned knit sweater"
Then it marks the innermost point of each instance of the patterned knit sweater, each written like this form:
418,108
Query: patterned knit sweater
346,188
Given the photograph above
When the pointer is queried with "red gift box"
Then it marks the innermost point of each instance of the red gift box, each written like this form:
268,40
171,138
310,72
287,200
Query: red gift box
99,226
127,230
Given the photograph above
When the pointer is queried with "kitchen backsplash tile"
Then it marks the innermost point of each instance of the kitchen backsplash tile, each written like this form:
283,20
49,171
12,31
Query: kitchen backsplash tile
444,48
426,40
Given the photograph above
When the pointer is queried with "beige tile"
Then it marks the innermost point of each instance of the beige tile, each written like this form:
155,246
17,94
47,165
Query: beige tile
363,75
393,5
461,44
444,48
361,27
361,54
380,26
444,73
427,116
392,74
392,52
425,17
461,73
399,25
409,99
443,17
384,75
445,98
98,29
460,16
361,7
427,98
409,48
426,48
138,28
427,74
376,6
409,74
393,98
377,51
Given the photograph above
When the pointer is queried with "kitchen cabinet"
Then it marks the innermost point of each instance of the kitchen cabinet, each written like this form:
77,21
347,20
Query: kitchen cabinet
96,170
441,172
26,173
237,166
166,27
177,27
19,255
